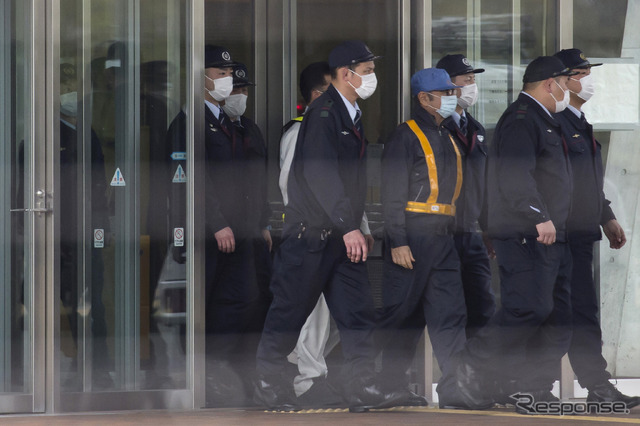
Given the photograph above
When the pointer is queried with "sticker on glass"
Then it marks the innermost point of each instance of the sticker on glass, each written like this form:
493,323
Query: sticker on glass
178,237
118,179
98,238
179,176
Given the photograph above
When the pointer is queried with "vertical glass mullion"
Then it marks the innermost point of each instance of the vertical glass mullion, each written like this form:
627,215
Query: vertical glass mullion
195,202
5,198
127,118
85,341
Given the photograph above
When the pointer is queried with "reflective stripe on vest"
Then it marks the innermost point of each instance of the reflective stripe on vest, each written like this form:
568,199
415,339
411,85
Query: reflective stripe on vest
431,206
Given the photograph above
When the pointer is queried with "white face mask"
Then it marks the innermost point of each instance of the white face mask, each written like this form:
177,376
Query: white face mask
69,104
235,105
368,85
447,105
468,95
588,85
222,87
561,105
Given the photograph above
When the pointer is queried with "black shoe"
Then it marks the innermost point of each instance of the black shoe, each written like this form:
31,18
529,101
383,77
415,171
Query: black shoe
607,392
402,398
273,393
470,388
361,397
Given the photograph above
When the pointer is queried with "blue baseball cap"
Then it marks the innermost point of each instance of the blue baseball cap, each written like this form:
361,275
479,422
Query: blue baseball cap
350,52
430,79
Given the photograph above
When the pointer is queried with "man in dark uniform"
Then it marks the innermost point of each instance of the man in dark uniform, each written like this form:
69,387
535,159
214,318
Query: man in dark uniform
323,250
474,258
235,219
421,181
529,179
590,210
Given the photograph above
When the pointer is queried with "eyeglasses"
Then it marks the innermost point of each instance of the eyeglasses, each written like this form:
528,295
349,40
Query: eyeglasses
448,92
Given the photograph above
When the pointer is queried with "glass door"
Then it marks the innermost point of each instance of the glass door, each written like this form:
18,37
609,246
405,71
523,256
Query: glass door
122,293
24,206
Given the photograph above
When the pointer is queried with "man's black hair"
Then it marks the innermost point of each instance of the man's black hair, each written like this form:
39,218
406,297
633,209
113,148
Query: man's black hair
313,77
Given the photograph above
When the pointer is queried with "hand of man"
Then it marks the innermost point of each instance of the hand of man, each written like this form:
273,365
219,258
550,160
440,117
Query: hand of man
370,242
615,234
356,246
226,240
402,256
546,232
267,237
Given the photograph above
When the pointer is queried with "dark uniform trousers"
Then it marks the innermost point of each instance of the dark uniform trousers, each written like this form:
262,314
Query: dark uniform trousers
434,293
590,208
474,260
532,329
585,352
475,270
306,266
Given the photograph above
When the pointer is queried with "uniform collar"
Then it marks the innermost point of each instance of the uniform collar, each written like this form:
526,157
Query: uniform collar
541,106
352,110
575,110
456,117
215,109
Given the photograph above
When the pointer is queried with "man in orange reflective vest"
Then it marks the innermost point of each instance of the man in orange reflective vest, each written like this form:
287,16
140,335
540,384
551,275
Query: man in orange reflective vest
421,180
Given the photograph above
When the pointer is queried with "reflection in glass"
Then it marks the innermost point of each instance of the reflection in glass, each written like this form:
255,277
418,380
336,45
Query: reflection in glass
16,231
120,326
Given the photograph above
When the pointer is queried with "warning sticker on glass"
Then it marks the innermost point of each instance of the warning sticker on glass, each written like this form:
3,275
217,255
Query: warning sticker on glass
179,176
178,237
98,238
118,179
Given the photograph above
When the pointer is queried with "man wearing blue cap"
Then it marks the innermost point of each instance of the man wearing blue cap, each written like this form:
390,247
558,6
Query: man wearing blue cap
529,178
474,258
235,218
323,249
421,181
589,211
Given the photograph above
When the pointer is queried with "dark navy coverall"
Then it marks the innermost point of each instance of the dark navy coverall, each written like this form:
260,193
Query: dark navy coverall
327,190
432,291
590,209
529,178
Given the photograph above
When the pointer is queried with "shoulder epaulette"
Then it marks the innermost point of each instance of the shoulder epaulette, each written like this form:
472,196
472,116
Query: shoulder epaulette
521,112
326,107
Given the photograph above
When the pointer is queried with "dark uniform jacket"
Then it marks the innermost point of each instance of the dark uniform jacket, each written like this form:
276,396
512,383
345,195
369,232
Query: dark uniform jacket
590,208
235,187
473,147
405,177
529,173
328,179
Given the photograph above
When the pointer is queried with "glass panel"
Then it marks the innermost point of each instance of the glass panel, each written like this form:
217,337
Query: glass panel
608,18
16,193
231,24
488,41
375,22
122,81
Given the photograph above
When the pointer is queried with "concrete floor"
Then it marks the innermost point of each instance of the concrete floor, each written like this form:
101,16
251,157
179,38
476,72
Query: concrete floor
404,416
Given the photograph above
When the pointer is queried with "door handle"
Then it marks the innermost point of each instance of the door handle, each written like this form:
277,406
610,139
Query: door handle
41,205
